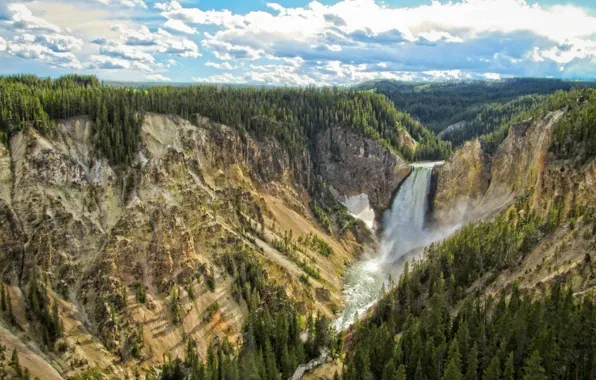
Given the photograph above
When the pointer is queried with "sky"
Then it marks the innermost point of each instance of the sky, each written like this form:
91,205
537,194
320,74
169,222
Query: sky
298,43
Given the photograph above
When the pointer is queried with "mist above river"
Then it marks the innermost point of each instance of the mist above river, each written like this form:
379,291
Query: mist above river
404,237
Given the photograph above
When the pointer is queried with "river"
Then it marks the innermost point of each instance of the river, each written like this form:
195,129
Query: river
404,234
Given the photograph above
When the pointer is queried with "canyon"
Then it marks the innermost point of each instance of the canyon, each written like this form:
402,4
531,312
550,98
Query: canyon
97,235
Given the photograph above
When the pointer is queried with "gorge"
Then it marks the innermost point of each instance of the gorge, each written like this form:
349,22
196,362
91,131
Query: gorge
223,230
403,234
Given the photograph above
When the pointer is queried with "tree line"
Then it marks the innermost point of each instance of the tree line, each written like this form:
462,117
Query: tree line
272,346
294,116
430,327
438,105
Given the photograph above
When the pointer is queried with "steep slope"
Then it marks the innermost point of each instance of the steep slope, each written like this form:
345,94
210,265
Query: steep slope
134,259
511,296
473,184
94,236
353,166
440,105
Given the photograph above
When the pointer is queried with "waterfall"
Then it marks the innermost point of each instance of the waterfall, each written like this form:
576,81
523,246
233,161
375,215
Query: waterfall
404,222
404,231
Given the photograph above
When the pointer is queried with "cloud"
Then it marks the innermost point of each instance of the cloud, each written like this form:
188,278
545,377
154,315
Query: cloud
179,26
56,42
111,63
157,78
124,3
160,41
168,6
34,38
227,51
492,76
136,49
221,66
118,50
438,40
41,53
346,42
19,17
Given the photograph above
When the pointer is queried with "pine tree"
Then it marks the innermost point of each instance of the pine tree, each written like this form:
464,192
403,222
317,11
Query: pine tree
493,371
3,297
389,370
270,365
401,373
419,374
472,370
453,369
14,363
509,373
533,369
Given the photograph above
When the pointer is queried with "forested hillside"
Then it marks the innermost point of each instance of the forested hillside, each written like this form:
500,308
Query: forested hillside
518,335
460,312
294,116
484,105
489,118
574,135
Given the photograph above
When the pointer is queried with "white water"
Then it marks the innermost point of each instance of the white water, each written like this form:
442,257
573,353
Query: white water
359,207
404,232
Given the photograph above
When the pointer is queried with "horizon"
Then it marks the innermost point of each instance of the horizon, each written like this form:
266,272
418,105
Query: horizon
297,42
354,85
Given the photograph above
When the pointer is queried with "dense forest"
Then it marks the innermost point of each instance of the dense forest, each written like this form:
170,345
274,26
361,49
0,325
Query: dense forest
482,103
489,118
574,135
272,346
545,334
292,115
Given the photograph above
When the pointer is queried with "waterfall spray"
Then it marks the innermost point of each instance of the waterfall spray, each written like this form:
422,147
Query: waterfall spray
404,222
404,232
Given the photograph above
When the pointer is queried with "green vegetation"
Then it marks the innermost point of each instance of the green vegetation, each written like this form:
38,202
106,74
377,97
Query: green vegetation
492,116
141,293
513,337
290,248
248,273
293,116
322,216
316,244
16,366
43,313
175,306
272,348
516,336
6,304
438,105
574,135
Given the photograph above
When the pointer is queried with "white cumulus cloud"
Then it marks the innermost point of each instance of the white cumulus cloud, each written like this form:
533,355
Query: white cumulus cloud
439,40
157,78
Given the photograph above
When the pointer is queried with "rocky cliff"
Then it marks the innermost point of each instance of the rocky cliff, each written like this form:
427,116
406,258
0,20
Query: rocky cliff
353,165
473,185
526,180
125,252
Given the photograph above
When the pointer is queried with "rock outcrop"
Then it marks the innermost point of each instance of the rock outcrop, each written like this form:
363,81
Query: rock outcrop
94,234
461,182
354,165
473,185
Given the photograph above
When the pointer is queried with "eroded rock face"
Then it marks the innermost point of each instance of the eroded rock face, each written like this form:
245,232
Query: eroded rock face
94,234
355,165
461,182
472,185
